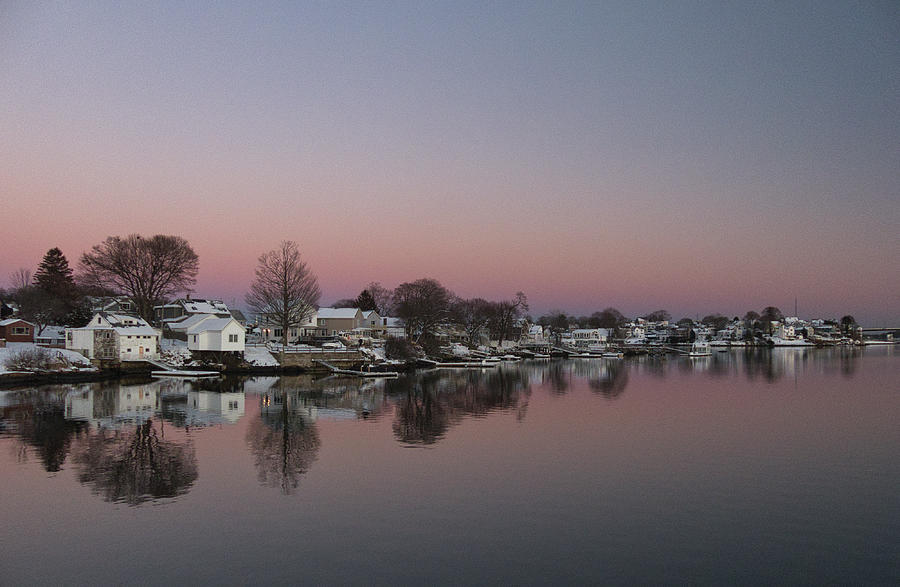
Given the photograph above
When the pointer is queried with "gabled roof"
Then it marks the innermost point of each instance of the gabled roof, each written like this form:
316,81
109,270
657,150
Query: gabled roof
52,332
368,313
123,324
212,324
9,321
338,312
190,321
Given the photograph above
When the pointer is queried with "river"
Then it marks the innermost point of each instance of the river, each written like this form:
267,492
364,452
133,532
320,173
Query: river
751,466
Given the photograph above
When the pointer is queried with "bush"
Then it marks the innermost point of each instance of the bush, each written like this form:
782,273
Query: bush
35,359
399,349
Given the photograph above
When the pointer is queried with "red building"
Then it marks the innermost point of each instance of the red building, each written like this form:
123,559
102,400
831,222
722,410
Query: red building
15,330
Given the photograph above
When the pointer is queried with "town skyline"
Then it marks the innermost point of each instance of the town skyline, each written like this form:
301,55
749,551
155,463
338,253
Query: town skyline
640,156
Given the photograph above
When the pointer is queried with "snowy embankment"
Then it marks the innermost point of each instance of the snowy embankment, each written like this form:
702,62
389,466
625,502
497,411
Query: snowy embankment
175,352
259,356
40,359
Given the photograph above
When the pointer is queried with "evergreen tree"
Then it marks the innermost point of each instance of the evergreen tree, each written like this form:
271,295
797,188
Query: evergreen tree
365,302
54,275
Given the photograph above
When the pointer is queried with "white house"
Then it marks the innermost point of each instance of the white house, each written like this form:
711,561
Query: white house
583,337
216,334
115,337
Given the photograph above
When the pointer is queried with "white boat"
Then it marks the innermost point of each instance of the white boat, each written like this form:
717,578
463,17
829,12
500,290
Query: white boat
699,349
719,343
612,355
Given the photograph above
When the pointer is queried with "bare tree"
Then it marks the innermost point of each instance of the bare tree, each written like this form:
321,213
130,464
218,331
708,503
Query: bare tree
148,270
505,314
285,291
473,315
423,305
20,278
384,298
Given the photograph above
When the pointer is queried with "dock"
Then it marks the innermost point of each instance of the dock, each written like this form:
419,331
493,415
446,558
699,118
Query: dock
338,371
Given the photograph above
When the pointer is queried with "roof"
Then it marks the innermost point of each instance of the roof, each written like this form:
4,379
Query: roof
368,313
338,312
212,324
9,321
123,324
52,332
190,321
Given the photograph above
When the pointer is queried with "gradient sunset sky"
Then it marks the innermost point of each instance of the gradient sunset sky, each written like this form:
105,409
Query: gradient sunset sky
694,156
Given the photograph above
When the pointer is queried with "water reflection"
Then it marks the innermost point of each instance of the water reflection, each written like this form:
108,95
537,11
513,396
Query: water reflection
134,465
284,441
430,403
37,419
114,433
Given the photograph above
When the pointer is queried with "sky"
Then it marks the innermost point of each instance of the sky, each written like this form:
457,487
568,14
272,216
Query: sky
697,157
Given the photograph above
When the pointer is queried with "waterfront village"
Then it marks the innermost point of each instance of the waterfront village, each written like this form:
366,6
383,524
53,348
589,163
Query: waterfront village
189,336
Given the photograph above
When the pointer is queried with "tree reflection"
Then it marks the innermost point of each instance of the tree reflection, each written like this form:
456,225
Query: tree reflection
612,381
433,402
284,444
40,422
134,466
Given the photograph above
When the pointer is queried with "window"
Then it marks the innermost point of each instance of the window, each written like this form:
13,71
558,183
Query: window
232,338
20,330
277,332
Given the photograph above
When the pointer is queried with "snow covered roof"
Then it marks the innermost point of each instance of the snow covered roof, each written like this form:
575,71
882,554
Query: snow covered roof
123,324
205,307
368,313
212,324
190,321
9,321
393,322
52,332
338,312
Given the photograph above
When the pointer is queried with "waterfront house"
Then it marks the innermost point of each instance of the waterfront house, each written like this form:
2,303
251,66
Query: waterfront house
585,337
269,330
336,320
216,334
16,330
115,337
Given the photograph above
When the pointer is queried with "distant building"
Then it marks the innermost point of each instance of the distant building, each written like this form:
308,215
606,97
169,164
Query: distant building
52,336
182,307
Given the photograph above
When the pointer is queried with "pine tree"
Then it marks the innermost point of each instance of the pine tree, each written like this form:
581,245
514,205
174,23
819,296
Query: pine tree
54,275
365,301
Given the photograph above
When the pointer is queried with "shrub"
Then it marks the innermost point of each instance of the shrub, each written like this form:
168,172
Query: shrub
399,349
34,359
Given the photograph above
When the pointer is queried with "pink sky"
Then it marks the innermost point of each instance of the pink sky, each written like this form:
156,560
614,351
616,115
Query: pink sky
588,156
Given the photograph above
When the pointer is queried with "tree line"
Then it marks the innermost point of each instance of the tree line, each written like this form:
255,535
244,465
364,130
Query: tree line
153,270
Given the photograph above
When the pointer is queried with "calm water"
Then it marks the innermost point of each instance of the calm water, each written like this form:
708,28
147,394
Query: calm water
772,466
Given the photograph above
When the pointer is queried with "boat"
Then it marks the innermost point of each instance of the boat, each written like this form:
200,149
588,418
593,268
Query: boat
613,355
699,349
185,374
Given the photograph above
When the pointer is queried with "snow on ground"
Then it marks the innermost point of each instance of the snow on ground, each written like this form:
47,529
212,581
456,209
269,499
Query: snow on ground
76,360
174,352
259,356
